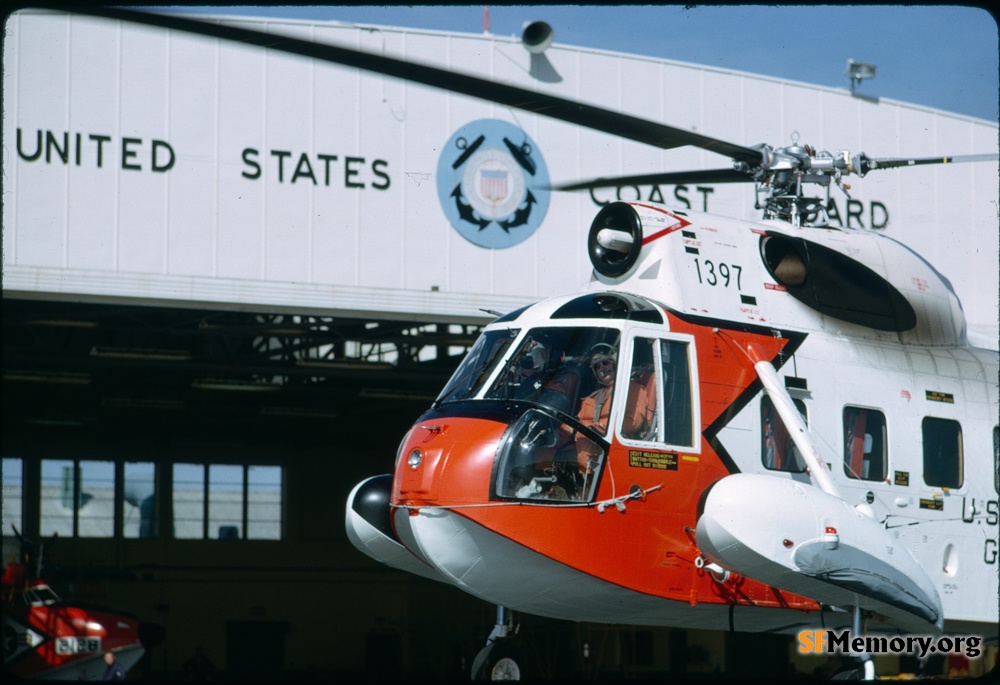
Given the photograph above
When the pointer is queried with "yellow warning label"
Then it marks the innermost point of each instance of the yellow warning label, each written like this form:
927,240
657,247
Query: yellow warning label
935,504
652,460
936,396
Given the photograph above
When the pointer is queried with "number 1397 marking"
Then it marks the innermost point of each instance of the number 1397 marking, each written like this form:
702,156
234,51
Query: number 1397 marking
716,274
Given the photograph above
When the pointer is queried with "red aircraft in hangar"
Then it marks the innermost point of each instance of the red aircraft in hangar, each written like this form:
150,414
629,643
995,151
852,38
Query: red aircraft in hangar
51,638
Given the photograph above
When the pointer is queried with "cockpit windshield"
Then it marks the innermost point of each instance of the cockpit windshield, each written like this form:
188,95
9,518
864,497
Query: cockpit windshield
554,385
544,458
478,365
39,594
552,367
550,452
561,380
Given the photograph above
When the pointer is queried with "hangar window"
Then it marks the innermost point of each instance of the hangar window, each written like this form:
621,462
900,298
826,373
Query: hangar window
77,498
189,501
139,503
942,452
227,501
264,502
13,494
864,444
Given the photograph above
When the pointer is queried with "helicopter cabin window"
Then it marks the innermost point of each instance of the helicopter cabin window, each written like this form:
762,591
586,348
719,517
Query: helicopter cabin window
942,452
865,442
563,380
777,449
659,376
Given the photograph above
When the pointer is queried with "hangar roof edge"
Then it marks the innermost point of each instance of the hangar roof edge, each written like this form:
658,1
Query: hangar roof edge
273,21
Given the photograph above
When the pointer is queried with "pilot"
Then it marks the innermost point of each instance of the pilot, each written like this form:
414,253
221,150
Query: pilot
595,408
531,372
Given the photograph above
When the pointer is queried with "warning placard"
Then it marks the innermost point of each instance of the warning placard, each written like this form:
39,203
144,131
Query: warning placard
652,460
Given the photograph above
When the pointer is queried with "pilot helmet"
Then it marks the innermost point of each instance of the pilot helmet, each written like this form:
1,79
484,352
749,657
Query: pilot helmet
536,359
602,351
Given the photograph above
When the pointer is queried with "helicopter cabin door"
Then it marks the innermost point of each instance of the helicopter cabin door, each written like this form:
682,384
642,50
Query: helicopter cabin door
661,403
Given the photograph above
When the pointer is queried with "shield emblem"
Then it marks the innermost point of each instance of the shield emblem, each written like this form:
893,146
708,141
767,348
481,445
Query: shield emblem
493,185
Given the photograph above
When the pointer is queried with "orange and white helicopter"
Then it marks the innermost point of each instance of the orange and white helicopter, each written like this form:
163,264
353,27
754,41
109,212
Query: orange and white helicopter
793,434
769,425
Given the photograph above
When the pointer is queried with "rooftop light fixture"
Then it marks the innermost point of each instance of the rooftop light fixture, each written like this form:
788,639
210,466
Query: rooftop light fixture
858,72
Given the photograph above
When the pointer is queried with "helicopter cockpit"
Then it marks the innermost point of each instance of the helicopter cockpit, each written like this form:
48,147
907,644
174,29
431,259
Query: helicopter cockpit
560,387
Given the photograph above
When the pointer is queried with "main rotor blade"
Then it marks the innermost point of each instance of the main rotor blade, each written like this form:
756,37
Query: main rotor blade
896,162
615,123
670,178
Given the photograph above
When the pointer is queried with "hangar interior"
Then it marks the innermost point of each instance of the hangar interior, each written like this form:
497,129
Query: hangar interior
99,384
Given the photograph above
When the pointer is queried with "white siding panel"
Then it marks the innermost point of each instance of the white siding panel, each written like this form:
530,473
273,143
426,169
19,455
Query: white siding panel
92,189
193,134
240,203
231,222
40,207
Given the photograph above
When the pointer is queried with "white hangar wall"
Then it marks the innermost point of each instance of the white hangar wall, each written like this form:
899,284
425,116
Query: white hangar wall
169,168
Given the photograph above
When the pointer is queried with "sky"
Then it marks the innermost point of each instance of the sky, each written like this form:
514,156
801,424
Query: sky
941,56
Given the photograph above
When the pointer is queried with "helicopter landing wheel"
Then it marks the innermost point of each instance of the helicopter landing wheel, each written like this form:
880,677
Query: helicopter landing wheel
499,660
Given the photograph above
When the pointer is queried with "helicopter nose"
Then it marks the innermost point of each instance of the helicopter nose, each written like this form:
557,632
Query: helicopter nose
371,502
448,462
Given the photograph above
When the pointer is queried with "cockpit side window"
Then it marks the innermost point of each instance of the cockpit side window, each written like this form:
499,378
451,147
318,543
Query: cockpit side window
659,403
675,380
555,451
639,419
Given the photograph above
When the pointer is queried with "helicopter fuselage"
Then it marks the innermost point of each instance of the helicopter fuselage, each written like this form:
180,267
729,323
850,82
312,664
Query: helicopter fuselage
518,492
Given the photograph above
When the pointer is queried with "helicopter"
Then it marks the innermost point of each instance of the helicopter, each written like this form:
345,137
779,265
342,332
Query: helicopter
750,425
49,637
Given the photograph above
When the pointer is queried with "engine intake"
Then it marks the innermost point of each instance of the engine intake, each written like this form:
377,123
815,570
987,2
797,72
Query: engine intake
615,239
836,285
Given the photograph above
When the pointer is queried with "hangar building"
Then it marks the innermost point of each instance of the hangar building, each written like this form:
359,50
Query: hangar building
233,278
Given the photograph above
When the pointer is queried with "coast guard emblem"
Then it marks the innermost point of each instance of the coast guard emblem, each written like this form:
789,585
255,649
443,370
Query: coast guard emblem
493,183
